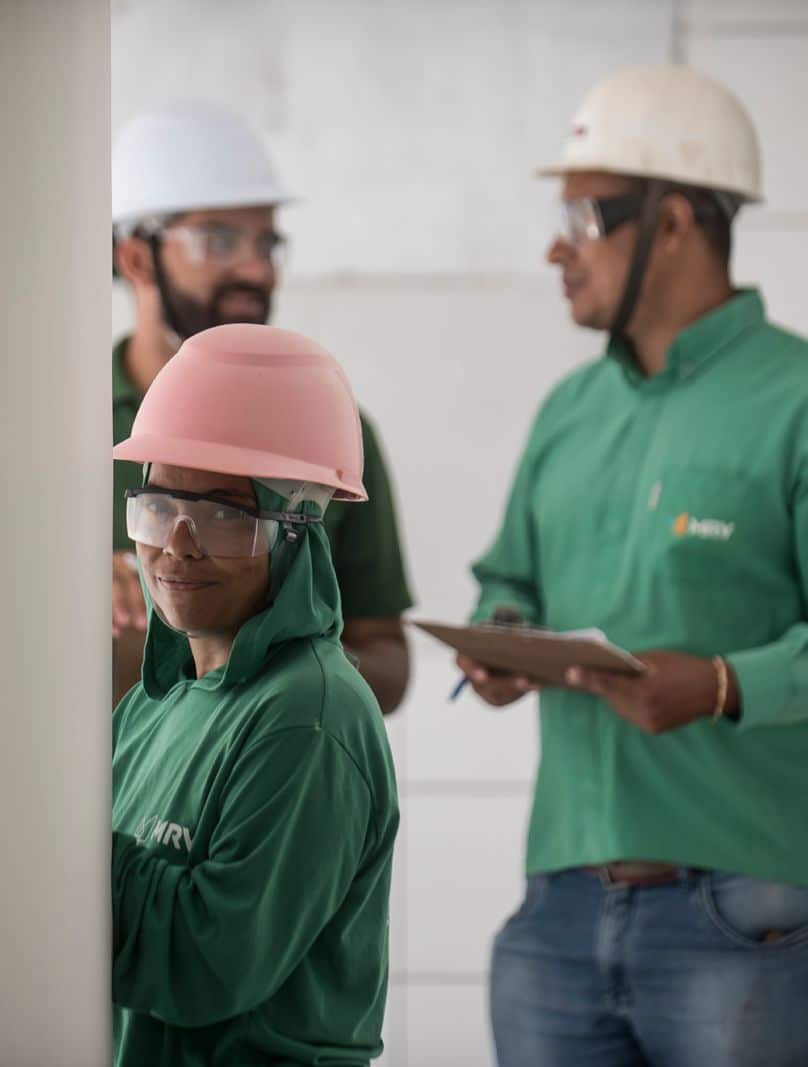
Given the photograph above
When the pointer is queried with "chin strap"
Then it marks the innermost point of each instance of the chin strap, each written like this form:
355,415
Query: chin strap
170,315
295,493
639,261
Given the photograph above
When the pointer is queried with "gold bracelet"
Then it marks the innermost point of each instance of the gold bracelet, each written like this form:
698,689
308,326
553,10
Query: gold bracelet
721,698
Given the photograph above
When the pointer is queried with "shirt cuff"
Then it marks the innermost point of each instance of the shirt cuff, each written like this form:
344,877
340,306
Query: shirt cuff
764,681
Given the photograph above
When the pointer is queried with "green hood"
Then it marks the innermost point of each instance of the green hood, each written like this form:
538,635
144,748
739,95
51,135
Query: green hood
305,602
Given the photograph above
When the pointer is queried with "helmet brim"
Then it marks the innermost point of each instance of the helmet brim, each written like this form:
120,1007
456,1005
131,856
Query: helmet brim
130,216
235,460
562,169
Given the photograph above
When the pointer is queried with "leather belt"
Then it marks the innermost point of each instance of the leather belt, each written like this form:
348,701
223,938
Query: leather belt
635,873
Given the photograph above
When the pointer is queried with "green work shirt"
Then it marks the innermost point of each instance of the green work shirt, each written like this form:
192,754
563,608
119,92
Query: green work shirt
365,541
672,512
254,814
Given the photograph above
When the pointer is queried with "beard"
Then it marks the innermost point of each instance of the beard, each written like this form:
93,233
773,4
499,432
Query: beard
192,316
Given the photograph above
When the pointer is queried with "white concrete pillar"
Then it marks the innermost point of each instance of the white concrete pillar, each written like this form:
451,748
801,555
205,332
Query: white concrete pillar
55,527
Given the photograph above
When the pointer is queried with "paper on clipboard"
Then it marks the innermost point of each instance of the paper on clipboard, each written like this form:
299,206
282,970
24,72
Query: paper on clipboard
542,655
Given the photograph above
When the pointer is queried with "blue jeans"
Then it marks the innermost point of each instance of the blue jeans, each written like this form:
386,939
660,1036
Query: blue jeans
707,971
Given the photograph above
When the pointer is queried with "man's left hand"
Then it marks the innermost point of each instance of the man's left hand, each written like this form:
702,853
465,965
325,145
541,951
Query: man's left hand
675,690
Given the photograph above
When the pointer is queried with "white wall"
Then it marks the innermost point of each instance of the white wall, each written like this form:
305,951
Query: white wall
54,554
412,130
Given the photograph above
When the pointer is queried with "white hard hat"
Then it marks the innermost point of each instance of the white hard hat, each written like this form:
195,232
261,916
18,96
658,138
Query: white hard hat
187,157
666,122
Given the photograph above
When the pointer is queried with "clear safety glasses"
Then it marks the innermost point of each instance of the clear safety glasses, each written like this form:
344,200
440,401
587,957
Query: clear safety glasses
590,219
218,527
220,243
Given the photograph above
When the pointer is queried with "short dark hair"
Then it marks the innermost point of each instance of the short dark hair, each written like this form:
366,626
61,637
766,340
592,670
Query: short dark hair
714,212
140,231
713,209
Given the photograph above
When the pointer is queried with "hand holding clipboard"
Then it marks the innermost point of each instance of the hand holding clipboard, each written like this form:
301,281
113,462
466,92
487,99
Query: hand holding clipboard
543,656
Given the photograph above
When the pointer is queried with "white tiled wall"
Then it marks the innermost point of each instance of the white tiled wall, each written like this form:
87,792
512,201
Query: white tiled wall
453,743
447,1026
412,129
458,889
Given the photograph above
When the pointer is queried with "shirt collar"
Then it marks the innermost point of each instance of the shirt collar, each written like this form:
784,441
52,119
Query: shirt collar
123,392
696,344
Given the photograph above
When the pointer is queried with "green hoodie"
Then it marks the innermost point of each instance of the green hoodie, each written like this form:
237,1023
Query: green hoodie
254,814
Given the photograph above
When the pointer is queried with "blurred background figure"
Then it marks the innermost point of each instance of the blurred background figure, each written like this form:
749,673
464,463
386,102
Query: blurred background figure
663,497
195,200
412,133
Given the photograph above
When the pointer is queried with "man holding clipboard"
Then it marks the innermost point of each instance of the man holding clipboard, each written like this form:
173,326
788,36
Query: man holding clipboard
663,498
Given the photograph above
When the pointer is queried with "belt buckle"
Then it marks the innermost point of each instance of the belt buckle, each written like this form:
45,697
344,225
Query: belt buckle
607,879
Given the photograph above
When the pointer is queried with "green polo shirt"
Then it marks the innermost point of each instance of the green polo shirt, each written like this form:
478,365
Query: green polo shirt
365,542
672,512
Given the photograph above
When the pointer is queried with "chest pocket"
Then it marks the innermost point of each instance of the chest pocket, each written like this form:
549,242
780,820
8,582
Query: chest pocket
719,543
711,527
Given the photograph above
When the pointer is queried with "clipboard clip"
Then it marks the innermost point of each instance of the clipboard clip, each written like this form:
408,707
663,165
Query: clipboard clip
507,615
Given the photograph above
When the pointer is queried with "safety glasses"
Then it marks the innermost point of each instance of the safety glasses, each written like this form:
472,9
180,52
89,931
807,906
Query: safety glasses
218,527
590,219
224,245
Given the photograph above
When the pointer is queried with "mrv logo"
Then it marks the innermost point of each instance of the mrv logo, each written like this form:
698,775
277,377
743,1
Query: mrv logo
167,833
707,529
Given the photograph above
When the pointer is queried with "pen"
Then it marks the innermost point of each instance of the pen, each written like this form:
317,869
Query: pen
504,615
458,689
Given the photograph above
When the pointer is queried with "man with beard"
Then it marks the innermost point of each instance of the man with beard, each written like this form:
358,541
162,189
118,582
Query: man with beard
195,199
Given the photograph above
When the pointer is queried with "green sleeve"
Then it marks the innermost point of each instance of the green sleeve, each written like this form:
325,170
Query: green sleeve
124,476
773,680
366,546
197,945
508,573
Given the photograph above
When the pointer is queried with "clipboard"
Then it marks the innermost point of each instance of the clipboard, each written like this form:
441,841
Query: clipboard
542,655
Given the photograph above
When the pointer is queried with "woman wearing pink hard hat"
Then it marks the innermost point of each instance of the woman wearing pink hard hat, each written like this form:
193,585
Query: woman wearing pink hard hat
254,799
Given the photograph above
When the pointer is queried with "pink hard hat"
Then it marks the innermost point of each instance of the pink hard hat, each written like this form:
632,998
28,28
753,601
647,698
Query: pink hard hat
253,401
